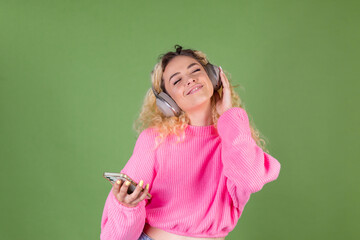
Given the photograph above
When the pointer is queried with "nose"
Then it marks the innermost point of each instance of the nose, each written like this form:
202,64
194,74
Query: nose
190,80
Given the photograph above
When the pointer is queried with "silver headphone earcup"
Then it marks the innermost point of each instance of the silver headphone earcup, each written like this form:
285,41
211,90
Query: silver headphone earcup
167,105
214,75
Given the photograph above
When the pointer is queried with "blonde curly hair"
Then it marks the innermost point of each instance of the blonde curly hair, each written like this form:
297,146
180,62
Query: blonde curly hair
151,117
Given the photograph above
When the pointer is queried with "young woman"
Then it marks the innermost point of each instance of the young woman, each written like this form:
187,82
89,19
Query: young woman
198,153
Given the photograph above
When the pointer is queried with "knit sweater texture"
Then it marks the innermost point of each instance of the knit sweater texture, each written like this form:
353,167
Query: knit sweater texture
199,187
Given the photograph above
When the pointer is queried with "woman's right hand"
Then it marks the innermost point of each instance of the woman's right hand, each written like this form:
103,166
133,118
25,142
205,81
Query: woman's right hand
129,200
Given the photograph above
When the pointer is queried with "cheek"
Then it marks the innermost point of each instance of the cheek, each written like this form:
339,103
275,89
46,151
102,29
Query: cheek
178,96
209,86
170,90
174,93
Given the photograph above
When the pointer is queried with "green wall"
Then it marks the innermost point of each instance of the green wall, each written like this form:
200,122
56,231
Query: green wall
73,75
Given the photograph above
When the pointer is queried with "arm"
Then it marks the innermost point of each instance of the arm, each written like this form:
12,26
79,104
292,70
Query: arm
122,222
246,167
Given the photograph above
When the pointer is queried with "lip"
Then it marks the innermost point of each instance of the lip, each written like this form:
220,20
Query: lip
195,86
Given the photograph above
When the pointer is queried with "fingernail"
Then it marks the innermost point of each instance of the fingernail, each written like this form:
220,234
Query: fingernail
147,186
220,68
127,183
118,182
141,183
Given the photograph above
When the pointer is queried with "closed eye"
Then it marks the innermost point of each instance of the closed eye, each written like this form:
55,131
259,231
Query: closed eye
196,70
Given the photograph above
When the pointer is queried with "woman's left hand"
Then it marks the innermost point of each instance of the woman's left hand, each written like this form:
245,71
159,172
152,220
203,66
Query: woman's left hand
225,102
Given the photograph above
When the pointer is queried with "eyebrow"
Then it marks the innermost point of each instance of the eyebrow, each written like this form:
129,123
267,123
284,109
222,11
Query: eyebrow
192,64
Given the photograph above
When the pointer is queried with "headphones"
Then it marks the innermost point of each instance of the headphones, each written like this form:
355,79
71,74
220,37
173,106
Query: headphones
169,107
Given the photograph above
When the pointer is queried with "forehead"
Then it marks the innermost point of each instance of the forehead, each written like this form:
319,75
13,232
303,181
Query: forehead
178,64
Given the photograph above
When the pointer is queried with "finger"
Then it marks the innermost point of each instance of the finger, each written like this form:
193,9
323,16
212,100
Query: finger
224,79
137,191
116,186
123,190
226,92
143,195
147,189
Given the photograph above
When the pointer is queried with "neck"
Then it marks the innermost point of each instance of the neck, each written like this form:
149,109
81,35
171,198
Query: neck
201,115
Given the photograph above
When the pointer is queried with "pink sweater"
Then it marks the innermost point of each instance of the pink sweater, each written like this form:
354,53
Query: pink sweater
199,187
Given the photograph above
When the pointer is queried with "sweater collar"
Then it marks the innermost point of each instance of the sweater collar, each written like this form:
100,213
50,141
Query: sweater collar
201,130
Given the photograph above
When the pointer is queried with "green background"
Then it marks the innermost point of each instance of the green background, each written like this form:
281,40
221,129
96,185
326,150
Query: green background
73,75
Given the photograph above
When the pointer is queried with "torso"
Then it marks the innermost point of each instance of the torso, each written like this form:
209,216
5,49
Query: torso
159,234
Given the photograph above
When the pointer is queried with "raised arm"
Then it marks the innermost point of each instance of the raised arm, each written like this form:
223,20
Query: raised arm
246,167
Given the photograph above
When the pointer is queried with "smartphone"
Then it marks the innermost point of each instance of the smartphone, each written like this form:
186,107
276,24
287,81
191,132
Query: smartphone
113,177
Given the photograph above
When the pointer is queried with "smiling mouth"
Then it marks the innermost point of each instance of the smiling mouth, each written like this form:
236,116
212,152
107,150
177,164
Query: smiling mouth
195,90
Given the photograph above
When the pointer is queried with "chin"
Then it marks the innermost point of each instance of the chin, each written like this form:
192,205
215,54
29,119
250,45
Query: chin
197,104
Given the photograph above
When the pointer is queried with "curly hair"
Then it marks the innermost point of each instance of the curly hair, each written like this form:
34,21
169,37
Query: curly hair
151,117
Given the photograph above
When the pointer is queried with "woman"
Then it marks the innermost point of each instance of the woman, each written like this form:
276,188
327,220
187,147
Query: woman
198,153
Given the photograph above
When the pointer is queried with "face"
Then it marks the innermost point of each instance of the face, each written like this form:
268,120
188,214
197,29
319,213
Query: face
188,84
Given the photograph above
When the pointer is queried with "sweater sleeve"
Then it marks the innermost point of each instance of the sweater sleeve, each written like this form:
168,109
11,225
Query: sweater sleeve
126,223
246,167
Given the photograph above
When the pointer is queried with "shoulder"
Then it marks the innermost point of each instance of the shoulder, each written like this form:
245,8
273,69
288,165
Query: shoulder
147,138
149,133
